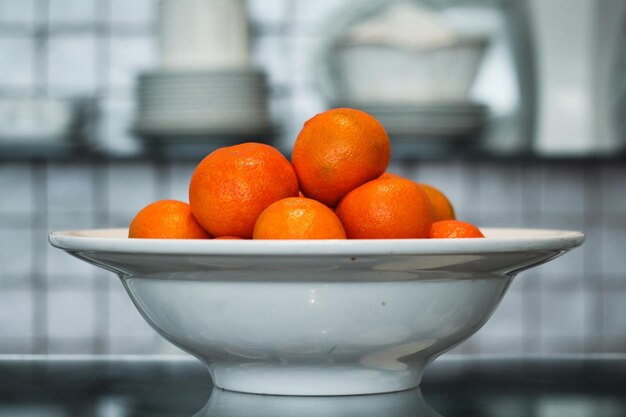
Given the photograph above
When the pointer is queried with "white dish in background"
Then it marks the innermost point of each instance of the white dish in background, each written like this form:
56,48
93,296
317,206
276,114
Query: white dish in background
317,317
201,103
435,122
445,73
430,58
39,121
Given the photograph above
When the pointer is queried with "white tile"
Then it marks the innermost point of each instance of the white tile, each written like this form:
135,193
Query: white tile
263,12
562,189
563,220
16,314
70,188
304,59
306,103
72,64
71,220
72,12
530,279
16,281
281,113
499,345
491,218
74,345
22,11
271,53
16,251
594,327
532,317
179,177
614,189
592,249
71,314
124,318
60,280
554,346
532,177
131,186
121,219
128,56
115,128
16,185
16,345
613,255
614,311
499,189
138,12
17,72
452,178
563,314
130,345
557,279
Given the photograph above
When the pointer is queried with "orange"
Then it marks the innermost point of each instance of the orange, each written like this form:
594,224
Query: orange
227,238
166,219
233,185
298,218
386,208
454,229
338,150
442,208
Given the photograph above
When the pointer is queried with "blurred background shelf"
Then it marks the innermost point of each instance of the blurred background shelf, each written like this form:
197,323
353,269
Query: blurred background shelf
42,151
191,151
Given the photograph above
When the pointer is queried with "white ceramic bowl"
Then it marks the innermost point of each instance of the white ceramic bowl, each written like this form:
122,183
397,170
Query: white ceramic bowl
317,317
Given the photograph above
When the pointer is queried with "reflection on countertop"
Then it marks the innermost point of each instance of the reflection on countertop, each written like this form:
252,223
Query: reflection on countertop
156,386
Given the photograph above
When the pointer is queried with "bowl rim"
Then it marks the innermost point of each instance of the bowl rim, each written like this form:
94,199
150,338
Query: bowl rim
497,240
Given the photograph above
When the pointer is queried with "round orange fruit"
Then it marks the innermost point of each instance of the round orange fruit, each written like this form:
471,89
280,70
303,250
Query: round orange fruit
442,208
338,150
386,208
298,218
233,185
454,229
166,219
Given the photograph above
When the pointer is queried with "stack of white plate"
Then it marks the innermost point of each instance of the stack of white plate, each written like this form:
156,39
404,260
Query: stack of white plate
205,91
202,103
447,121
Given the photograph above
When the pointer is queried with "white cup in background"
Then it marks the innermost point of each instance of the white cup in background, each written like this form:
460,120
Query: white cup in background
203,34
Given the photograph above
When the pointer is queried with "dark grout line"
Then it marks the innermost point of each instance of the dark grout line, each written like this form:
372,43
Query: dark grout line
40,248
101,283
594,287
40,62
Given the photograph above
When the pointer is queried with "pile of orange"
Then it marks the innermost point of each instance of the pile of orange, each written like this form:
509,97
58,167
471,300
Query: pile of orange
335,187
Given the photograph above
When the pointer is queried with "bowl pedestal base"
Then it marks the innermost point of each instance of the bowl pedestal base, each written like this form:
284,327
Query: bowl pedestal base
311,380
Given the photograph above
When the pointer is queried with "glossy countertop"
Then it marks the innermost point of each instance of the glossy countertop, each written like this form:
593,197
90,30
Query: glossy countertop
468,386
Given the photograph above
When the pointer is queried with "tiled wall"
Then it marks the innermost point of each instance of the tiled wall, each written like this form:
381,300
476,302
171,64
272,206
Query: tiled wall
50,302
